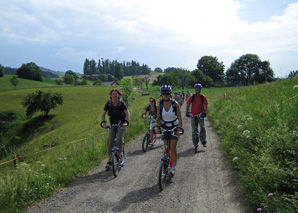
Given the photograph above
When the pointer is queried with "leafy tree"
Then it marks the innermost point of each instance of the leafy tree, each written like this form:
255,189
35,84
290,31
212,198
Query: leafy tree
103,77
249,69
72,73
84,82
1,71
41,101
14,81
69,79
162,80
169,69
110,77
119,73
30,71
58,81
210,66
137,81
157,69
128,93
199,77
146,80
179,77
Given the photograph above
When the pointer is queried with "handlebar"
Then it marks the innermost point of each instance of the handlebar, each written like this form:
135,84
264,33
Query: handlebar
117,125
174,129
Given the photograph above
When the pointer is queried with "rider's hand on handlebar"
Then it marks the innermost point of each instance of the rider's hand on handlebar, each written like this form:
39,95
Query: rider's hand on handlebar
105,126
188,115
179,132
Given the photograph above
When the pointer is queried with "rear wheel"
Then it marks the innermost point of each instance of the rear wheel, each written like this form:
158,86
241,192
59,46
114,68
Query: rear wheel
162,175
115,165
146,141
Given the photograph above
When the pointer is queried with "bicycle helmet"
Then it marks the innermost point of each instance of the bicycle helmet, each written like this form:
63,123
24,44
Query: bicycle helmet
165,90
198,86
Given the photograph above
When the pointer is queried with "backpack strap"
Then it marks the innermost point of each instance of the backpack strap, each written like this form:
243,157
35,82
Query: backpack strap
174,109
202,98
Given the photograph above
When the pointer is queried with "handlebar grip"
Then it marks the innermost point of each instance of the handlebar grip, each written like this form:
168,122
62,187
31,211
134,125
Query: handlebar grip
102,123
153,129
180,128
125,121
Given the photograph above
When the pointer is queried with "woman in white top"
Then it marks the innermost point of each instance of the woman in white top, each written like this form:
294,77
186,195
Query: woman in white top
168,116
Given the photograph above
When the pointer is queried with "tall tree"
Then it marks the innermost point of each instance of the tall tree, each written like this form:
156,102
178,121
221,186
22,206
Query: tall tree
92,66
119,73
87,70
211,67
249,69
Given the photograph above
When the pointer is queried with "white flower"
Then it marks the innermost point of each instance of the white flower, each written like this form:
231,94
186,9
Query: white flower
295,87
246,133
249,118
239,126
235,158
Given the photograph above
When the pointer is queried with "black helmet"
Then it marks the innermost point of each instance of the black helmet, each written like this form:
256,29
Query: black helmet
165,90
198,86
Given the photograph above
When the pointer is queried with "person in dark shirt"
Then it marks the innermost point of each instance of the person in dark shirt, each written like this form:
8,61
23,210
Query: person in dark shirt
118,112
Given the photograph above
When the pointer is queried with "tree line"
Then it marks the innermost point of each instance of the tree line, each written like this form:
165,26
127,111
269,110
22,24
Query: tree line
246,70
110,67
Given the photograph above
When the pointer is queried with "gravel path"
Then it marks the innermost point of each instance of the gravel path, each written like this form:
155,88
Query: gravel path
203,182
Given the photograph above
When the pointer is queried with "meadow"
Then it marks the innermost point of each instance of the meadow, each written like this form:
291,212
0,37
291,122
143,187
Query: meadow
257,126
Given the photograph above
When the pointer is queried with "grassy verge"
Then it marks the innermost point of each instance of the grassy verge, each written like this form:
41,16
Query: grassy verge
55,151
259,132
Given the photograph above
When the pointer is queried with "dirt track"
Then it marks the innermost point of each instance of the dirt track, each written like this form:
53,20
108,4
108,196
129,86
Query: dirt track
203,182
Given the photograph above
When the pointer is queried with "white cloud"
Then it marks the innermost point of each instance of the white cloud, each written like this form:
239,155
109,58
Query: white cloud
178,32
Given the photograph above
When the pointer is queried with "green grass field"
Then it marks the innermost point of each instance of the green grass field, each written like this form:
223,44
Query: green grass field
257,127
5,84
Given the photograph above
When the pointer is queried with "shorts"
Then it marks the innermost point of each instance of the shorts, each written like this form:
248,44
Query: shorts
166,134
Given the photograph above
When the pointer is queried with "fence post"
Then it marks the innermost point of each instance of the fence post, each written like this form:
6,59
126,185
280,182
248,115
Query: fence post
14,160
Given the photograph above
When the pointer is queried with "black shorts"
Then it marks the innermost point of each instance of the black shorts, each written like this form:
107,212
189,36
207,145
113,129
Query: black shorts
166,134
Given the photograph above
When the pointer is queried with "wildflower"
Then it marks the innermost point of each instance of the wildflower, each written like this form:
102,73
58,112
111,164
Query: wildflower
38,161
42,165
60,158
235,158
65,158
246,133
270,194
295,87
239,126
259,209
249,118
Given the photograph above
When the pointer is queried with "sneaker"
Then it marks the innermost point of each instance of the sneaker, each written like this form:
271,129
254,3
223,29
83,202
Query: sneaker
172,171
108,166
204,144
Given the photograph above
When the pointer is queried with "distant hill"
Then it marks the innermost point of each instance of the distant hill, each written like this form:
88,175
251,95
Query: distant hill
48,73
51,71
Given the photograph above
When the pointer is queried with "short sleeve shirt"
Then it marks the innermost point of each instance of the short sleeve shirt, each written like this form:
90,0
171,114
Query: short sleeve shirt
116,113
196,105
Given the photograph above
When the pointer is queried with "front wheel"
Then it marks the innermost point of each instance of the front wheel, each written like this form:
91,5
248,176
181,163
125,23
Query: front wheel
162,175
115,164
146,141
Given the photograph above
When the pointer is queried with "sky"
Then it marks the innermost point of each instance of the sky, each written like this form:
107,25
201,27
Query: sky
61,34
